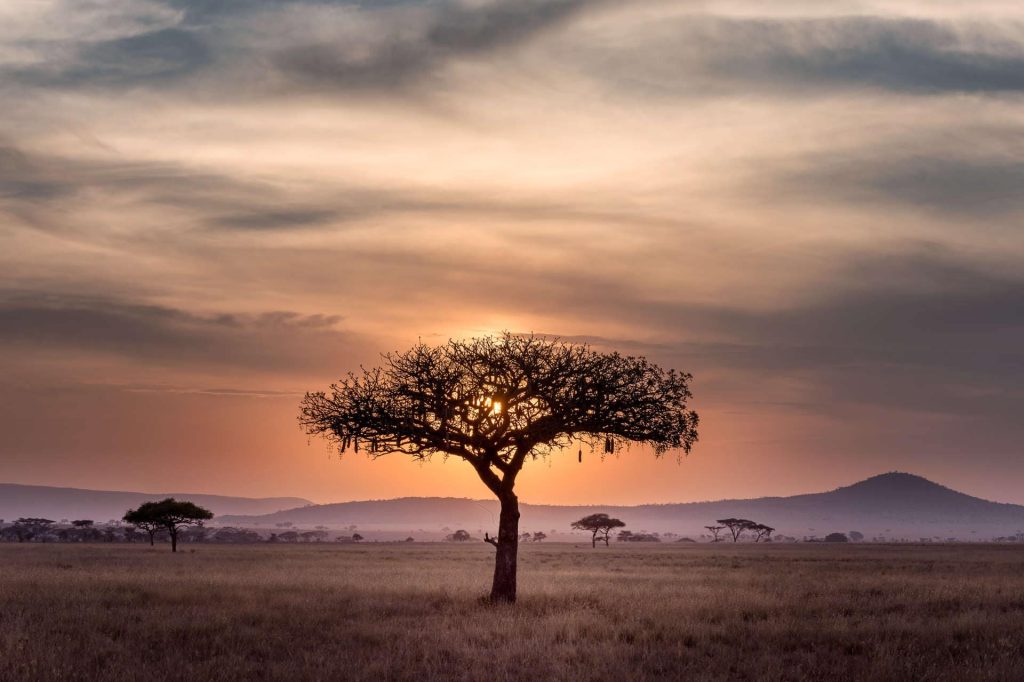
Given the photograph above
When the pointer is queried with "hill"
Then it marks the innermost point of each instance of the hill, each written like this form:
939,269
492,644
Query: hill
101,505
896,505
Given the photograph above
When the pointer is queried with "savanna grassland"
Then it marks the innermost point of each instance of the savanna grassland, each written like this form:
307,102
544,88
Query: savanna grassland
403,612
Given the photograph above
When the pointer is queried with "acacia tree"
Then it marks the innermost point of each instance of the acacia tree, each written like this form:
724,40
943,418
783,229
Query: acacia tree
715,532
27,528
737,527
762,532
150,526
496,402
599,525
170,515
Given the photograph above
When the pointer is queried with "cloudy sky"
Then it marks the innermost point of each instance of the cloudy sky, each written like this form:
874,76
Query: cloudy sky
208,207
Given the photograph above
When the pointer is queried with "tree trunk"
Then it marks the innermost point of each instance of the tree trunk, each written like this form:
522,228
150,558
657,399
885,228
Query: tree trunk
593,540
152,542
174,541
504,587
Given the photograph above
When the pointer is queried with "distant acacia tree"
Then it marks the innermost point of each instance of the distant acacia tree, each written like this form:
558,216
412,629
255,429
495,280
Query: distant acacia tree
314,536
715,532
855,536
737,527
30,527
496,402
762,532
150,526
356,537
642,536
82,523
600,527
540,536
169,515
836,537
232,535
525,537
459,536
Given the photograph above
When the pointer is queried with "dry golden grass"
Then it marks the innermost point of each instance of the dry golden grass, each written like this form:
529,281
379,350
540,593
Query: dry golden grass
383,612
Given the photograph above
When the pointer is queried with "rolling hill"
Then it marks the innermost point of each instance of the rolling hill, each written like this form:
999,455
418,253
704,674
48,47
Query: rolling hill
896,505
101,505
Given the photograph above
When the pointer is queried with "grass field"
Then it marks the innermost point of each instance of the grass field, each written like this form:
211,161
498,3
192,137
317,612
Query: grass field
397,612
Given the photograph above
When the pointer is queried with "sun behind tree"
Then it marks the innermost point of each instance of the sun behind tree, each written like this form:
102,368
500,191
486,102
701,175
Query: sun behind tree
497,401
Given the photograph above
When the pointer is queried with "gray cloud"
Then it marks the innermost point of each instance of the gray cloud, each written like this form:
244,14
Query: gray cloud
970,187
701,54
203,12
910,328
144,59
392,44
284,342
275,219
21,179
966,171
450,31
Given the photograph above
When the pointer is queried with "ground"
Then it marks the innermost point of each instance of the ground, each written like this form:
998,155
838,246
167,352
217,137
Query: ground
413,611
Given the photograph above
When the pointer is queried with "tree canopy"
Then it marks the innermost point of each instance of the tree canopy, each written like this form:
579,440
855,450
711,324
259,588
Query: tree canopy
599,525
762,532
715,532
496,402
737,527
170,515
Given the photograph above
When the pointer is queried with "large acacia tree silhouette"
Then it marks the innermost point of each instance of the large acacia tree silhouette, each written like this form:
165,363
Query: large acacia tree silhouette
496,402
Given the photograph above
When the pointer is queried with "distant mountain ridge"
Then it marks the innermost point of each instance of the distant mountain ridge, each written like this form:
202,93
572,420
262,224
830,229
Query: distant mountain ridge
894,504
101,505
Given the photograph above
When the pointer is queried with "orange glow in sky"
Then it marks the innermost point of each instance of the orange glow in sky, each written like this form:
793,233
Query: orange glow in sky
208,209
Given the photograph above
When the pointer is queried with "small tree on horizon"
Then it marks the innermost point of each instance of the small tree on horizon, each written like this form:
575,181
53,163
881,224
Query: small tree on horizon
169,515
737,527
27,528
599,525
715,532
762,532
496,402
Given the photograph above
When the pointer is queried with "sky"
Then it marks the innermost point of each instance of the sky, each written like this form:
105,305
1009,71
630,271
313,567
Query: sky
209,207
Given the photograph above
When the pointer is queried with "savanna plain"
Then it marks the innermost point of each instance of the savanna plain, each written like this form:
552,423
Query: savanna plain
414,611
